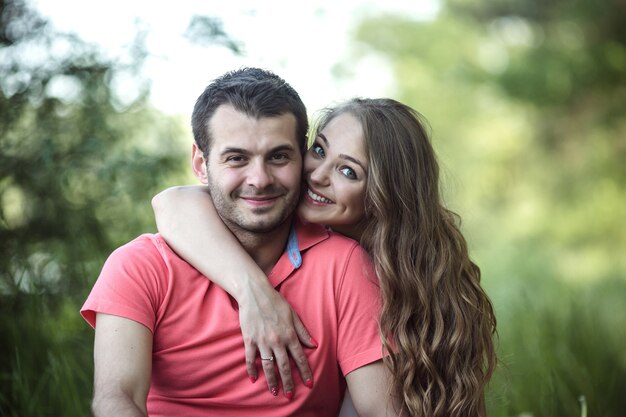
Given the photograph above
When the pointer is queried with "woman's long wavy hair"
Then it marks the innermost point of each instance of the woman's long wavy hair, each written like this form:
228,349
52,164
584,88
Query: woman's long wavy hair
436,322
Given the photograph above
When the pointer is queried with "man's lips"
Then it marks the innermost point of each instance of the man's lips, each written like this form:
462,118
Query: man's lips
259,200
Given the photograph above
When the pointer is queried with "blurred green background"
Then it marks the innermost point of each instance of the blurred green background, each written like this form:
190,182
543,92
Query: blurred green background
527,105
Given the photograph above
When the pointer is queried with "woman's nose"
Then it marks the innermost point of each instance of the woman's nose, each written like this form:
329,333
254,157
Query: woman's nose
320,175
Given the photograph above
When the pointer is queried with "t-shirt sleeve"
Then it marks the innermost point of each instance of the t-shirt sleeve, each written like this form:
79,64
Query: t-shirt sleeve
130,284
359,304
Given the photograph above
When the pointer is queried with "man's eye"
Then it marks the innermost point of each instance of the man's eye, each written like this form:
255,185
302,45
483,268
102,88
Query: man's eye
235,159
280,157
348,172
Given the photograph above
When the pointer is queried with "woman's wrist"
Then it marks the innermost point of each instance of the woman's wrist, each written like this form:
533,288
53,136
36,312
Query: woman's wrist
252,288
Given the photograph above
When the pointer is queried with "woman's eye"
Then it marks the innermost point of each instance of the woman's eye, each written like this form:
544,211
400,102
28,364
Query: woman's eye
318,150
348,172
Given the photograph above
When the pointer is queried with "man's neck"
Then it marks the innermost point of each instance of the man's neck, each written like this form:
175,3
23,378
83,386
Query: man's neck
265,248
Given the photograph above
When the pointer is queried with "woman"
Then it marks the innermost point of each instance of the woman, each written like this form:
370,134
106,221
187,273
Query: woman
371,174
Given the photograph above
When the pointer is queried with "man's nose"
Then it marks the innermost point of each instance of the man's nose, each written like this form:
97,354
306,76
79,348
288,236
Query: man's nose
260,174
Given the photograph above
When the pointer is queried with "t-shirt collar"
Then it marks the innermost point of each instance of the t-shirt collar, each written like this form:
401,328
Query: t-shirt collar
301,237
293,251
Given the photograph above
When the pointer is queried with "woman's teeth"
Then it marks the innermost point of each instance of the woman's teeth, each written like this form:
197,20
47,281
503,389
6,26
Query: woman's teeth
317,198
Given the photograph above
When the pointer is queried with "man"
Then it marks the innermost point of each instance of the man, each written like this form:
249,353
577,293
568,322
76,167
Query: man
168,341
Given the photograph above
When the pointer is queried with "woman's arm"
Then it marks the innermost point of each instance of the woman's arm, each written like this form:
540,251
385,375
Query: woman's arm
188,221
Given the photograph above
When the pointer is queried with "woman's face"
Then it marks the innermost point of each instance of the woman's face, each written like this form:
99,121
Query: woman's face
335,172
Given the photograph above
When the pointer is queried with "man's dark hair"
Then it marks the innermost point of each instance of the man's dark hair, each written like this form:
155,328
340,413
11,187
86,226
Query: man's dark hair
257,93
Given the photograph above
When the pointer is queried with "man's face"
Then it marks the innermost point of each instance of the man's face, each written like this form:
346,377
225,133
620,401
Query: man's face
253,170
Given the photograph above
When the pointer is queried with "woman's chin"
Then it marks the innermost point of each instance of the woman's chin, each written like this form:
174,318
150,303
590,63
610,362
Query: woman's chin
306,214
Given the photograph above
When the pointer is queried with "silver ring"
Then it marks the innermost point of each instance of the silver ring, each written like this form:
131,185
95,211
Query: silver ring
271,358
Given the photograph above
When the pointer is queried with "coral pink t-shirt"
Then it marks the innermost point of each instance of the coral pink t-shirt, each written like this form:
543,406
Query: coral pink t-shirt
198,365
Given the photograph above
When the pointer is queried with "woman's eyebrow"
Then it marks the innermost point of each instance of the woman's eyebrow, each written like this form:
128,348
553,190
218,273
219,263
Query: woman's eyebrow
321,135
356,161
343,155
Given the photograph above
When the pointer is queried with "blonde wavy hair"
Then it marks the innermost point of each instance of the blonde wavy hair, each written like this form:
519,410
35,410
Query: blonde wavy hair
437,323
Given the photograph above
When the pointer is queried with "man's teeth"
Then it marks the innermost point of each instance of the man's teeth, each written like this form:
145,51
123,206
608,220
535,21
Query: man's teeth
318,198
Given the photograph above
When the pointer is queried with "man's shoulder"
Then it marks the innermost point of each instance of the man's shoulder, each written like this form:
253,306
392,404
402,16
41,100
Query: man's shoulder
146,248
147,242
319,240
316,235
341,243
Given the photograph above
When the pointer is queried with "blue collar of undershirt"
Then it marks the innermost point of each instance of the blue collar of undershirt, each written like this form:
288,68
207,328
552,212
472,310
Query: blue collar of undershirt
293,251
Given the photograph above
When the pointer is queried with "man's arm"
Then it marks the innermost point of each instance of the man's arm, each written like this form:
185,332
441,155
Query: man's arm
369,387
122,367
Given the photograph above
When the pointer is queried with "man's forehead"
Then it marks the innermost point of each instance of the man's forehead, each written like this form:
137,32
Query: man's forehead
227,111
229,127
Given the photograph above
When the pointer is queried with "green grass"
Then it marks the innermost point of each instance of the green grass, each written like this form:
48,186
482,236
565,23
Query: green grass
561,352
46,358
559,347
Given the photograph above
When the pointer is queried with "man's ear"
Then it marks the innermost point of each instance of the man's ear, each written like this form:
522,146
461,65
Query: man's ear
198,164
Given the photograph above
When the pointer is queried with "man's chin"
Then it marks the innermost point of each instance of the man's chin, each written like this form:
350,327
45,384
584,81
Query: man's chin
265,225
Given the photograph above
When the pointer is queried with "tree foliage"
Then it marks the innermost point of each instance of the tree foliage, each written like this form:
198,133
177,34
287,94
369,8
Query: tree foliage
526,101
79,162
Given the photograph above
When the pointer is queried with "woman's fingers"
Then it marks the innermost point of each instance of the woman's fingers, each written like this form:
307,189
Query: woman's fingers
303,334
269,369
297,353
251,356
271,329
282,348
284,370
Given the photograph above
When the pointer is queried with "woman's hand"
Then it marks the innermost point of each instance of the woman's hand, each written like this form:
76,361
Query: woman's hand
270,327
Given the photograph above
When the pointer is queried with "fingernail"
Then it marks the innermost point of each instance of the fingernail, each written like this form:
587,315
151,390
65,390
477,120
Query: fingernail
289,395
314,342
274,391
253,379
309,382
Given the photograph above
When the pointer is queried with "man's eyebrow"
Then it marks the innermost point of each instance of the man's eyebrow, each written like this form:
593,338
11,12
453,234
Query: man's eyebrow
232,149
285,147
243,151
